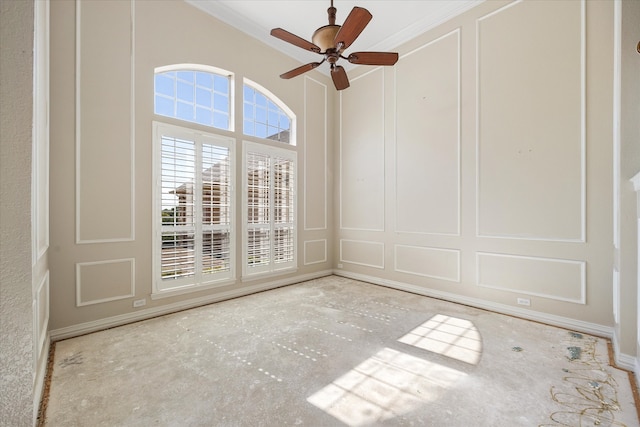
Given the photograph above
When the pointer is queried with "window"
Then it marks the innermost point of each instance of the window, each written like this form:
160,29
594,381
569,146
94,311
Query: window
263,118
196,96
269,209
194,236
193,227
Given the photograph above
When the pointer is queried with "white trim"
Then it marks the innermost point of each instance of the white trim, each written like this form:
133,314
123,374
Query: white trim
326,158
384,169
210,69
550,319
431,248
39,377
583,145
78,125
583,277
305,251
342,260
41,333
459,136
79,265
623,360
187,289
123,319
40,131
635,181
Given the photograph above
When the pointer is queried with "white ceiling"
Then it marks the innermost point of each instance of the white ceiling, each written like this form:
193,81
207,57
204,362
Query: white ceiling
394,22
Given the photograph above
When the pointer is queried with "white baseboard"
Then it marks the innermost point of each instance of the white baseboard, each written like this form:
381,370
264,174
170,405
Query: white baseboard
123,319
550,319
40,375
623,360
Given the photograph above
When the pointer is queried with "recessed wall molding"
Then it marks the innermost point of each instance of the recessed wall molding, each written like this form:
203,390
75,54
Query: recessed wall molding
362,147
361,252
514,199
315,149
103,281
315,251
428,144
41,315
557,279
105,117
436,263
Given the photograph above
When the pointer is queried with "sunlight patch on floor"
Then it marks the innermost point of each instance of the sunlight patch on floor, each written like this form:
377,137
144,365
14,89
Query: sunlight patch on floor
448,336
386,385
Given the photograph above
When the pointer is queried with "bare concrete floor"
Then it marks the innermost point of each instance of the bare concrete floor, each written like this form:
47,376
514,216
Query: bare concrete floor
334,352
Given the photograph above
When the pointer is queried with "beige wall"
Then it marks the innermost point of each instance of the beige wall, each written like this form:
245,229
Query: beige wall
628,167
101,138
23,210
479,168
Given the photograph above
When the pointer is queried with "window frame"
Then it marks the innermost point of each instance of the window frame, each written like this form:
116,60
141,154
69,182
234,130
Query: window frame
272,268
205,69
281,105
198,281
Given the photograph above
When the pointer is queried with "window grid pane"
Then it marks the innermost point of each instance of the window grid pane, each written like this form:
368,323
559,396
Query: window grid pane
193,96
216,185
263,118
283,245
283,191
177,176
178,255
258,188
216,252
258,247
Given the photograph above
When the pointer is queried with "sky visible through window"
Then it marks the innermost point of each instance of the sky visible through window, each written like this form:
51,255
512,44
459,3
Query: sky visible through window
193,96
263,118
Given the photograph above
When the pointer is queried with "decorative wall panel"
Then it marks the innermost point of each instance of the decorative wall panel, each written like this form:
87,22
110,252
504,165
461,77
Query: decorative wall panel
429,262
41,313
362,172
103,281
315,155
315,251
428,138
531,131
104,121
370,254
559,279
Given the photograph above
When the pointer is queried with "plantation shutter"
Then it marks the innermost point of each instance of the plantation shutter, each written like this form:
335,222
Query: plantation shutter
269,208
193,172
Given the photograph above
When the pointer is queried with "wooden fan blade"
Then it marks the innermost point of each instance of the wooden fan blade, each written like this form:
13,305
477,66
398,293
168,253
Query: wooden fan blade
373,58
339,76
300,70
352,27
294,40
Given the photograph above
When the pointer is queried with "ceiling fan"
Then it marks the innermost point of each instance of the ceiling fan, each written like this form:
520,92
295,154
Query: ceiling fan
331,41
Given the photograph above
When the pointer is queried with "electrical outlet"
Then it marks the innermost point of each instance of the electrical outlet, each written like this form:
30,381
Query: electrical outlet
524,301
139,302
339,265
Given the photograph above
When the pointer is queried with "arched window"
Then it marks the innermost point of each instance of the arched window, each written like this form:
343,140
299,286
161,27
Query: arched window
265,116
194,93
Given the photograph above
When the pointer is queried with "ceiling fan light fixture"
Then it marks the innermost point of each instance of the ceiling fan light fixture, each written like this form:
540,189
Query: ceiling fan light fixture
323,37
